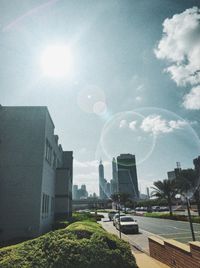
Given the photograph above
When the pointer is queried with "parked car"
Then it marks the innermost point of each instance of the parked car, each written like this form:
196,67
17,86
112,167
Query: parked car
127,224
163,209
111,214
116,216
156,208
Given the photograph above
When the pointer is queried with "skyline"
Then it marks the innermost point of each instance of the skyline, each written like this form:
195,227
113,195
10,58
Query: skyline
133,84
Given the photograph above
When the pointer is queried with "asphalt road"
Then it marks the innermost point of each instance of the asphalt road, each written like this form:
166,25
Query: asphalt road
177,230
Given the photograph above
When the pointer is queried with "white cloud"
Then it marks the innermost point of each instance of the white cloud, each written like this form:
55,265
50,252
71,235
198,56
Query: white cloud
123,123
180,46
157,125
192,99
132,125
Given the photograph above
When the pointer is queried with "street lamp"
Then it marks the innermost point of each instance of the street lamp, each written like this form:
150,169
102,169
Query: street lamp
119,216
189,217
187,197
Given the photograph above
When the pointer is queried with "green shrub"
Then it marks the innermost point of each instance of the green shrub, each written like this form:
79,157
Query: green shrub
81,244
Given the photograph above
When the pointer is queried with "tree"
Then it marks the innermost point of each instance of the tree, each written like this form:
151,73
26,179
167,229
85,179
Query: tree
165,189
123,198
187,180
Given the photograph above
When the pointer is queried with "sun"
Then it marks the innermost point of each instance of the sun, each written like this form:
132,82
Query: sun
56,61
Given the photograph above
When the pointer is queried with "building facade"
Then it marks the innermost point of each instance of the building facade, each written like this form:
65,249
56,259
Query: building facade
127,175
35,173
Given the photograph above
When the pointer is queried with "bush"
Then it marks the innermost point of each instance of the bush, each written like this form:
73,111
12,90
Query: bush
81,244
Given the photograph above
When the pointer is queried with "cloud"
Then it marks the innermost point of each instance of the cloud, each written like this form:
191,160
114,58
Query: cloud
192,99
132,125
123,124
157,125
138,98
180,46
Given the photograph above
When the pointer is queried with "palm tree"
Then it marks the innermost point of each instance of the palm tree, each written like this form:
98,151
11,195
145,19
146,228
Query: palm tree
187,181
165,189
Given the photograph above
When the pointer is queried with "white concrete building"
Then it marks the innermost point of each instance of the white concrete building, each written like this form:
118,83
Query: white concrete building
35,173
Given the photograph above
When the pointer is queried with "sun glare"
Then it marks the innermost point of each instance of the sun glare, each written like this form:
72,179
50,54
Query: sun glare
56,61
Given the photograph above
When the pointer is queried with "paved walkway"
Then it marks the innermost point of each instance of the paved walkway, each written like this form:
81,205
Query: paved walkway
140,246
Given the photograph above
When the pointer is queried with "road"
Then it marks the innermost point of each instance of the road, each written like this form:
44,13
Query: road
177,230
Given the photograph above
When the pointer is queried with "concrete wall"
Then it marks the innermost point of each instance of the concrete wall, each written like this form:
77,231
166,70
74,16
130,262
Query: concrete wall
21,157
175,254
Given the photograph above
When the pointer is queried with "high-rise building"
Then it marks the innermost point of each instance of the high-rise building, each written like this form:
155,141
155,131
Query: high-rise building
148,193
127,175
196,163
102,182
35,173
114,181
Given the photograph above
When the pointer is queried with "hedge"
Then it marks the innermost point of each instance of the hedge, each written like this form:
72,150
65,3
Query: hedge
81,244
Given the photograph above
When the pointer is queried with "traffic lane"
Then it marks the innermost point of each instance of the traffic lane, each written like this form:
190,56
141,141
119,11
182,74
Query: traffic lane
169,228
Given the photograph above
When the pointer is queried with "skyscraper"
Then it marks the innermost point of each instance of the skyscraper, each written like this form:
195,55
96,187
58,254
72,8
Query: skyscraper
114,176
127,175
102,181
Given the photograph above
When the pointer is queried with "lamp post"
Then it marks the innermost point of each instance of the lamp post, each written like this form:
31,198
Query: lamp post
189,218
119,216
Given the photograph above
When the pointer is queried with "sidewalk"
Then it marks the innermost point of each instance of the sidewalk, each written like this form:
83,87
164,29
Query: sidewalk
139,244
145,261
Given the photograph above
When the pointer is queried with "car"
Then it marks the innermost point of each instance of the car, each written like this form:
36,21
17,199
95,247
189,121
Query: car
111,214
127,224
116,216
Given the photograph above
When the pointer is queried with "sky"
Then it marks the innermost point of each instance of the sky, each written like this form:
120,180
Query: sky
129,81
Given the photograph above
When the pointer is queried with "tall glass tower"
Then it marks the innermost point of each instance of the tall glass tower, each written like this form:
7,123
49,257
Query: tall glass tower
127,175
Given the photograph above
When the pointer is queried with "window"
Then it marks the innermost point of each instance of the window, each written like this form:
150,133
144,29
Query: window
48,151
45,205
52,205
54,160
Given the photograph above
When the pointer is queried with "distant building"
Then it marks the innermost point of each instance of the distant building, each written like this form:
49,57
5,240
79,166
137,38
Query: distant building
102,182
107,189
114,181
80,193
35,173
148,193
127,175
174,173
196,163
75,192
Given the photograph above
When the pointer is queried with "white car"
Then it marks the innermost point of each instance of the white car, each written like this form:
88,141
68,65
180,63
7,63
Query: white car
116,216
127,224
